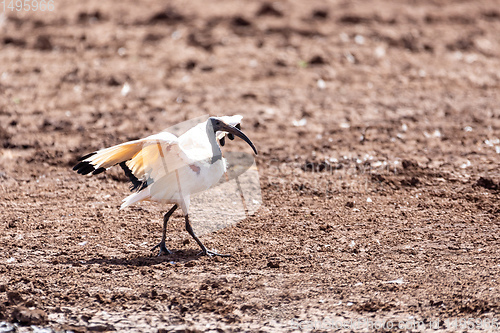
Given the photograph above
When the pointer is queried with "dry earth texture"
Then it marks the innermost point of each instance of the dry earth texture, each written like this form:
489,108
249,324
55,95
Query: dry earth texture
377,123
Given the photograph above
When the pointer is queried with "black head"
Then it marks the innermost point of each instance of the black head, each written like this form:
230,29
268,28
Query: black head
219,125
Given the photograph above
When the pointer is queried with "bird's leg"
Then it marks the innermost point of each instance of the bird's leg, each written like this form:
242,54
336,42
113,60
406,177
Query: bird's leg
161,245
204,250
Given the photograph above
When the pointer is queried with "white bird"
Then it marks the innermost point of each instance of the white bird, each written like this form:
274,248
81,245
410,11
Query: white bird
169,169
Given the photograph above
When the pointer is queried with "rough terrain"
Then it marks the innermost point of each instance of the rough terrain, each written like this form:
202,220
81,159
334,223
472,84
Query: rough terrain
377,124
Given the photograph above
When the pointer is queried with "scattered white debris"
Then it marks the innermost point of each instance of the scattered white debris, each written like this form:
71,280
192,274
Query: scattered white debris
319,136
483,43
458,55
422,73
352,243
356,210
333,160
11,260
358,284
350,304
350,58
125,89
345,125
492,142
358,39
300,123
397,281
435,134
176,35
497,149
468,129
380,51
378,242
321,84
122,51
404,127
253,63
270,111
321,301
344,37
83,243
369,200
466,164
470,58
68,113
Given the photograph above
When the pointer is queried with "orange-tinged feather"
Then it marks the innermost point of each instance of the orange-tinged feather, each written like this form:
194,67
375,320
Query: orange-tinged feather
108,157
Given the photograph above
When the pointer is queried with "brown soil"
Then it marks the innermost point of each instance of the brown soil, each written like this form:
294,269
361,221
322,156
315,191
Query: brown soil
383,203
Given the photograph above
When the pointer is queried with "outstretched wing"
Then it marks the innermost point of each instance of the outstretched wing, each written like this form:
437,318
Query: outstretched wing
142,160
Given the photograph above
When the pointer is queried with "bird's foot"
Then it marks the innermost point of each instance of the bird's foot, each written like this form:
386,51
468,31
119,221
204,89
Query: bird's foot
163,249
209,253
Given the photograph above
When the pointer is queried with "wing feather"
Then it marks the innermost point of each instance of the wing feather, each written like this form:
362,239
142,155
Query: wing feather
146,159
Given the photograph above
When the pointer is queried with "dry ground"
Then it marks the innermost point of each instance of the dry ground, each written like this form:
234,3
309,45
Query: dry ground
378,126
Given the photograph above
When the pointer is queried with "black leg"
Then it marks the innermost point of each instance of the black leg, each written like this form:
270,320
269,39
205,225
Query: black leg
204,250
161,245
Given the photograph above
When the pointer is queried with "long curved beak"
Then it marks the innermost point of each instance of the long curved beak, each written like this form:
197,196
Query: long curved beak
233,130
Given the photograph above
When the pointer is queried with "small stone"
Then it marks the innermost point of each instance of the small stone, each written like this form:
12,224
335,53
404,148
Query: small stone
14,297
25,316
190,264
273,264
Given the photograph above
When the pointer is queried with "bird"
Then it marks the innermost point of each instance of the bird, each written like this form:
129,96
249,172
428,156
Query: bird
168,169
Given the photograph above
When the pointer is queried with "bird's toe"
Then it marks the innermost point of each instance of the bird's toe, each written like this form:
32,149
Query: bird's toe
212,254
163,249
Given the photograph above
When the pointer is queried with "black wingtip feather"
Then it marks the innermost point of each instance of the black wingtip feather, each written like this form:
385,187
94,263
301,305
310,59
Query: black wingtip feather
86,168
86,156
98,171
78,166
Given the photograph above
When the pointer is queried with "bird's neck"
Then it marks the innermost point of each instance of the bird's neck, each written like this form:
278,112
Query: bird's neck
216,152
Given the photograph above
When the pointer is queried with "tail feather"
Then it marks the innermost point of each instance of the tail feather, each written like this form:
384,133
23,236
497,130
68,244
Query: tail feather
135,197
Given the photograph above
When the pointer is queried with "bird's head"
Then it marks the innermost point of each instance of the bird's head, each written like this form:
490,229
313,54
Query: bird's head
229,125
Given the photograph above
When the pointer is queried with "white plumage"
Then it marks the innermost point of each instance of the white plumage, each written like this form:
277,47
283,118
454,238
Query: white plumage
169,169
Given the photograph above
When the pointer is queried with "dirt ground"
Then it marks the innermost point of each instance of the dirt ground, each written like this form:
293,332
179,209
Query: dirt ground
377,124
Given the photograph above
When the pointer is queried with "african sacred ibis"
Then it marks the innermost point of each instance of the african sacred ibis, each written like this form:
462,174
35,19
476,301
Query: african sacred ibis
169,169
